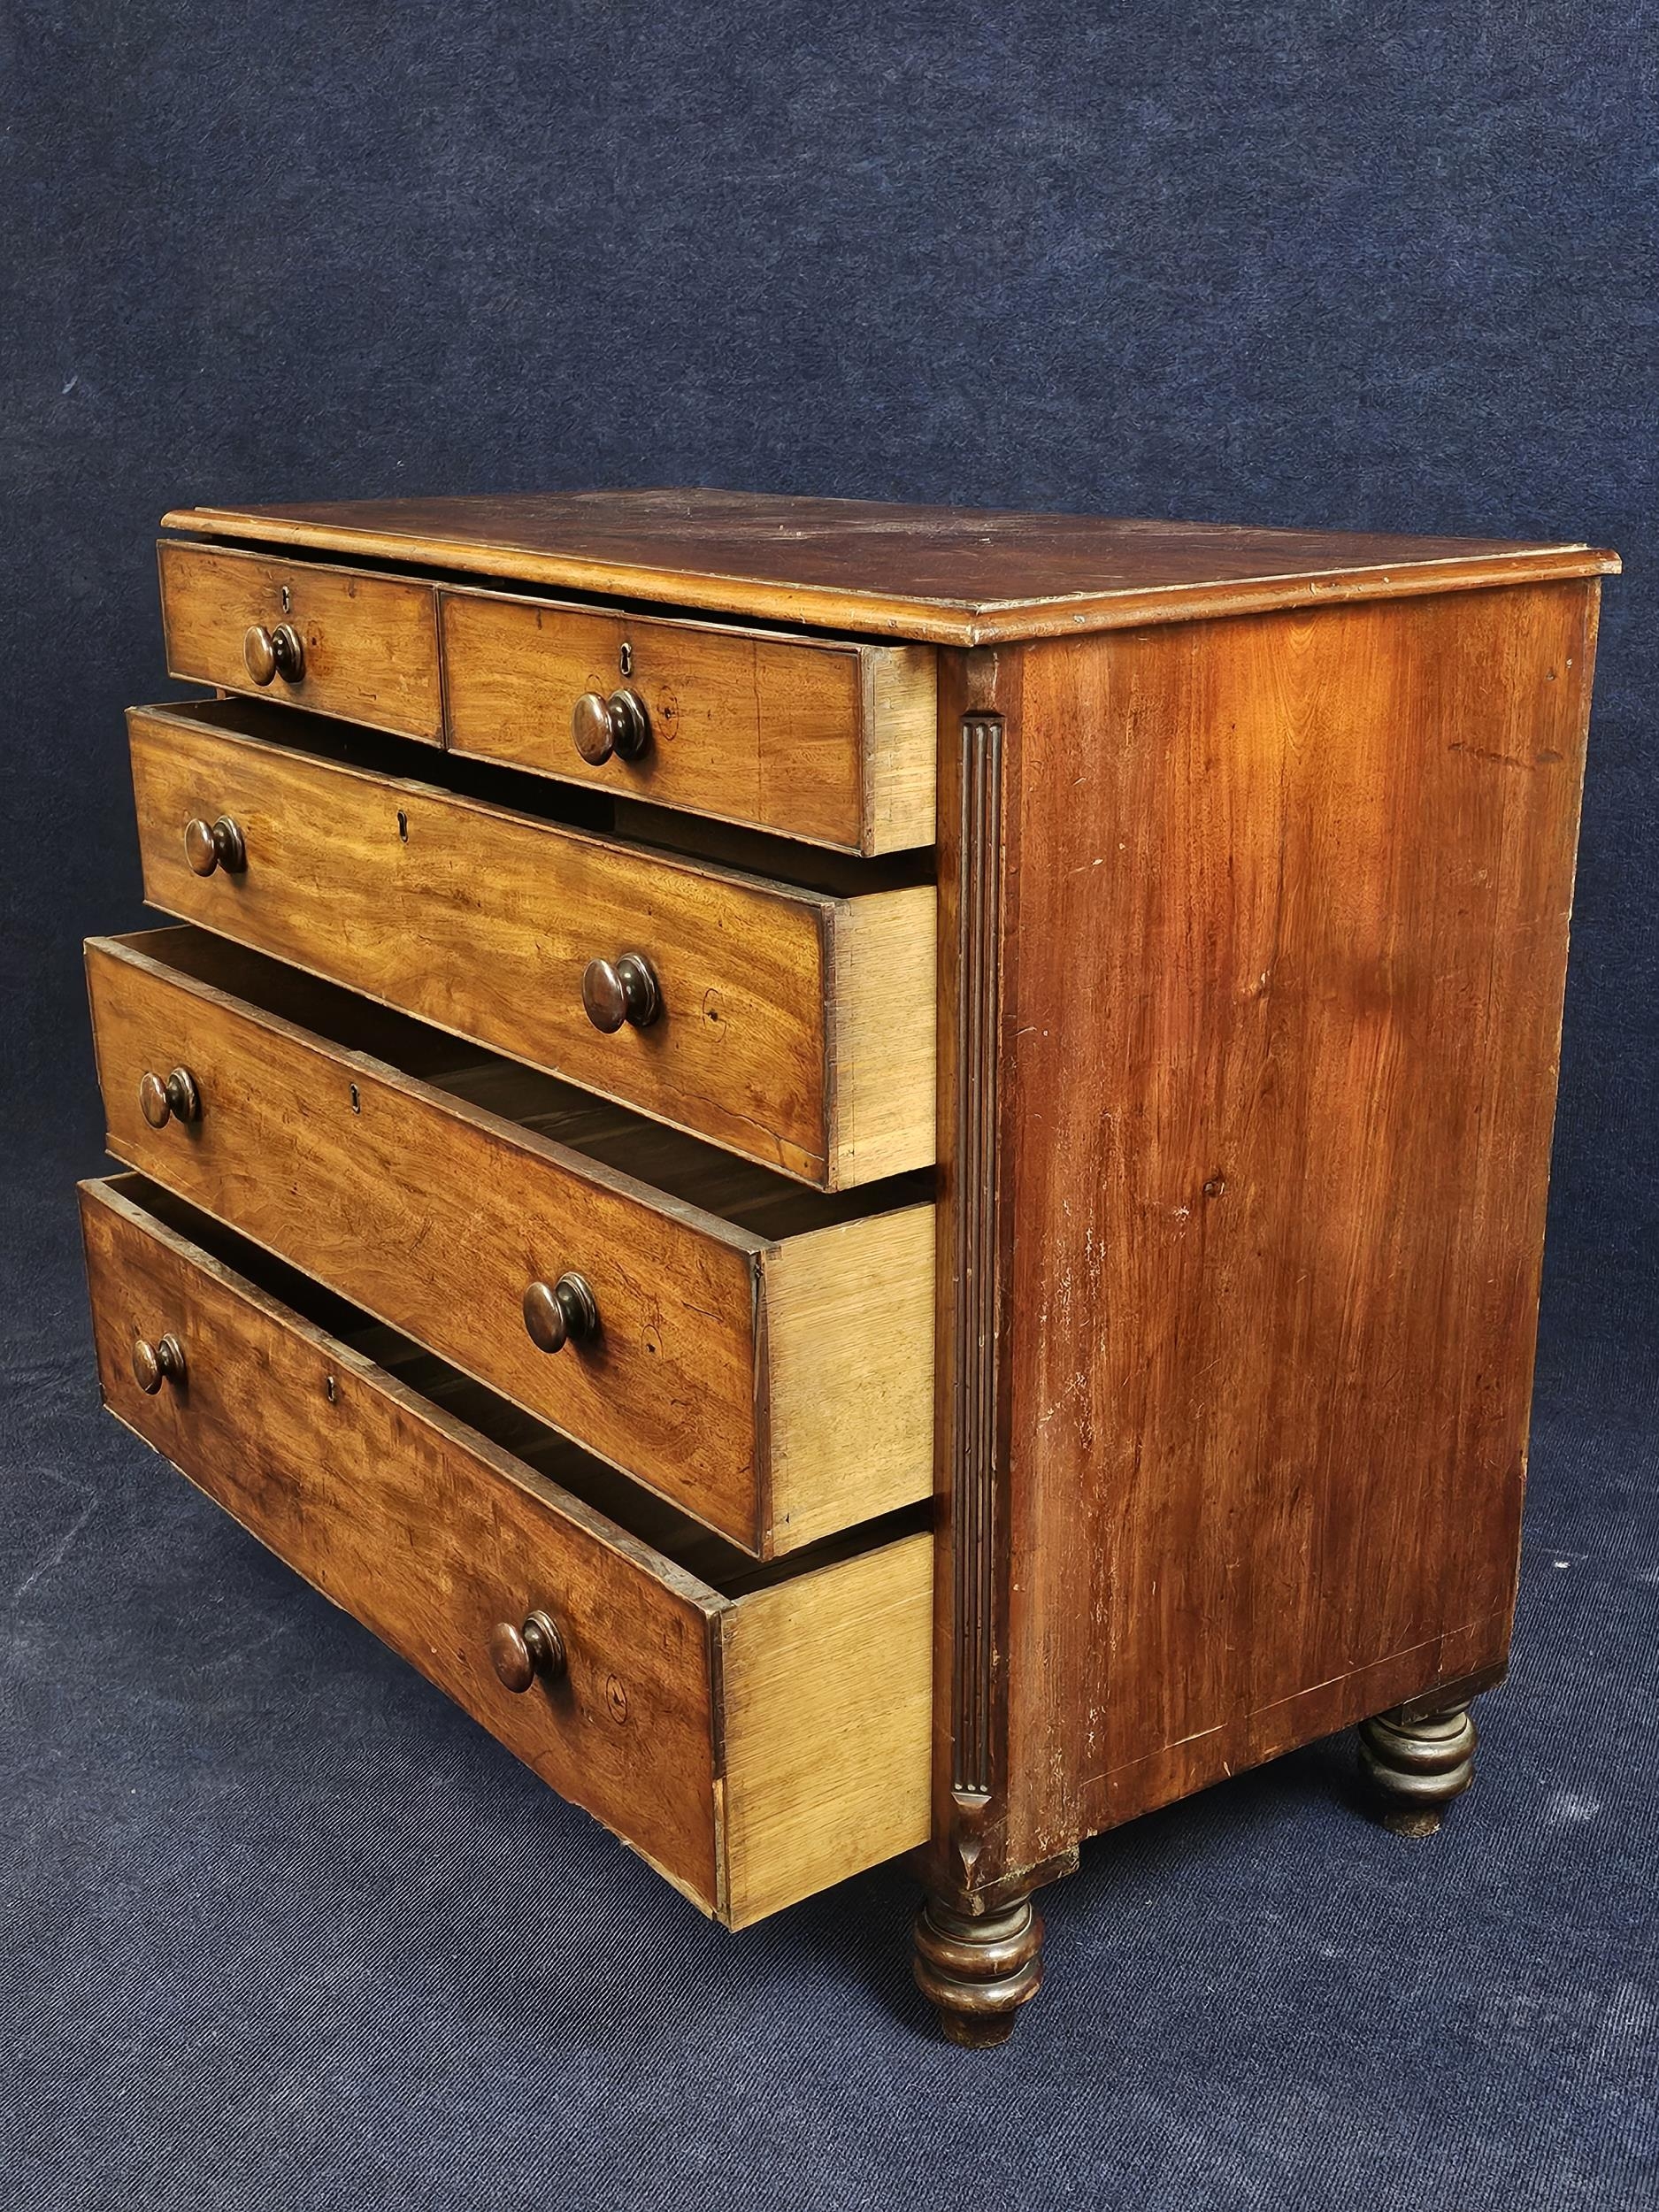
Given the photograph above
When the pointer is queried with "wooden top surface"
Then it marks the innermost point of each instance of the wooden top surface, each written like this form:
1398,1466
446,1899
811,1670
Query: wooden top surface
952,575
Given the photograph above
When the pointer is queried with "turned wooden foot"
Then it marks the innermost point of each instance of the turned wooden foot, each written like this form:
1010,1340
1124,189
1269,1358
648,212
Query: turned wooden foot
1415,1768
977,1973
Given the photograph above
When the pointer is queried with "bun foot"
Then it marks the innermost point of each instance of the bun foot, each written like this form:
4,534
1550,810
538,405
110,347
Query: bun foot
1415,1768
976,1973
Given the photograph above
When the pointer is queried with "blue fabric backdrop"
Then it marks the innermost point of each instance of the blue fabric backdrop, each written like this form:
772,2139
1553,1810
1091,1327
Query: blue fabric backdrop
281,1926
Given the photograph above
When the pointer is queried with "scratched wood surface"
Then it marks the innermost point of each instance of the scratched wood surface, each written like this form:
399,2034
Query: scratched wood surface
733,1371
1280,1050
958,577
422,1530
371,643
754,1746
482,919
822,740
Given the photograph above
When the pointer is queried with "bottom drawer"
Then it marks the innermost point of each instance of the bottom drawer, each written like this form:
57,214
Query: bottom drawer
756,1732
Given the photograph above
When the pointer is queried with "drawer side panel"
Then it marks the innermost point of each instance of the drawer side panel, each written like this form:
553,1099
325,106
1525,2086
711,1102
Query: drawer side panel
849,1350
827,1690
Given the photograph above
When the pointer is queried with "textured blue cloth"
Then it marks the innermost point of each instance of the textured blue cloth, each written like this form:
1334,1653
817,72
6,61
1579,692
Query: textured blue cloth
281,1927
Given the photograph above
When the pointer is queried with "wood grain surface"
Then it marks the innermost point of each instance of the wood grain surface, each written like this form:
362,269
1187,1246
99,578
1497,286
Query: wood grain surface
849,1315
753,1747
1280,1050
425,1532
735,1374
957,577
481,920
826,1693
975,1762
371,641
825,741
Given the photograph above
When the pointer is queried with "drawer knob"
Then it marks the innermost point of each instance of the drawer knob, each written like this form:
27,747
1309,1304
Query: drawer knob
555,1312
154,1364
210,845
520,1656
618,991
177,1099
279,652
619,725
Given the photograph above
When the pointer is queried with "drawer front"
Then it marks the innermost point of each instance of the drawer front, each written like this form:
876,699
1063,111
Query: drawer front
367,645
754,1749
769,1036
831,742
716,1351
422,1530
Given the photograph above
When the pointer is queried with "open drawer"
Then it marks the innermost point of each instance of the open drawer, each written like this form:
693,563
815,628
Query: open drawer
336,640
822,738
791,1021
760,1354
756,1735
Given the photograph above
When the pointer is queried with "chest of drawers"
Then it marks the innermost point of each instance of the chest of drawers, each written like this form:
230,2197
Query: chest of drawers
874,1177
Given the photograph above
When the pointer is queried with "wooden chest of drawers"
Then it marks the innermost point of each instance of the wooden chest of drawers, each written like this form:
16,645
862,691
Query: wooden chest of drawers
873,1177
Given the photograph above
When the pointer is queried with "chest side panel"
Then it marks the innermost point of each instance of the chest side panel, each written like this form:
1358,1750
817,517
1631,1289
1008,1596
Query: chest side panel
1282,1056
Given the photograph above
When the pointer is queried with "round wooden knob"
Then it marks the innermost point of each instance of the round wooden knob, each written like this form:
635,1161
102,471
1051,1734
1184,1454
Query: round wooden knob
175,1099
619,725
270,653
624,990
210,845
520,1656
555,1312
155,1364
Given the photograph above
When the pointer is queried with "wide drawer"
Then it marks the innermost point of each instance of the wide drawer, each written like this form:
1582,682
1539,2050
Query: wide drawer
756,1736
364,647
792,1025
823,739
763,1355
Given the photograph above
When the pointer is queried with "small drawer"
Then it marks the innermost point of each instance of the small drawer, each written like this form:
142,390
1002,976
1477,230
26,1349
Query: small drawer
759,1353
332,640
755,1736
792,1025
828,740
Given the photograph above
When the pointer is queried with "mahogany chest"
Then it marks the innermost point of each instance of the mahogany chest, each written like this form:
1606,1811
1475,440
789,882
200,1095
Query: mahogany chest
873,1176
